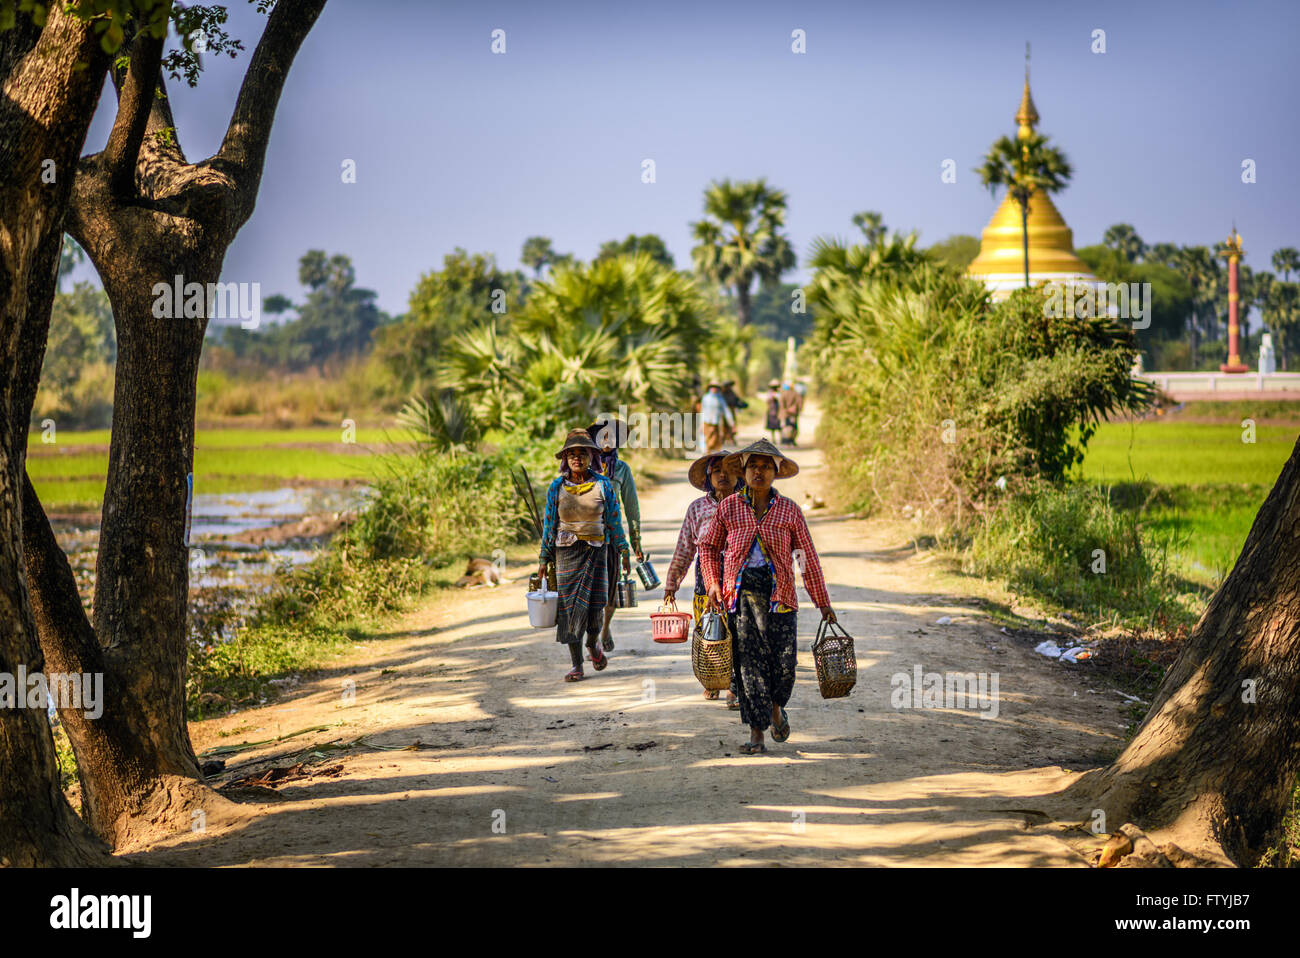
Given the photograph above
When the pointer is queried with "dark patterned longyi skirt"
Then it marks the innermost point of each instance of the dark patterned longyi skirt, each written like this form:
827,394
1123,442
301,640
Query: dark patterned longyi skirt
764,652
583,579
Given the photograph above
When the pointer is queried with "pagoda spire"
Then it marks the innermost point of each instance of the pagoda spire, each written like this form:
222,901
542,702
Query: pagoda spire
1026,116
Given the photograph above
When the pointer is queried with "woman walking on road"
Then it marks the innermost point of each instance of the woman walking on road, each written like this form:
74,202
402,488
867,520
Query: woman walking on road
753,580
609,435
708,475
773,397
582,525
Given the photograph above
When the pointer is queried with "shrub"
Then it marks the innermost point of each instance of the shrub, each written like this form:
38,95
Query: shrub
932,393
1074,547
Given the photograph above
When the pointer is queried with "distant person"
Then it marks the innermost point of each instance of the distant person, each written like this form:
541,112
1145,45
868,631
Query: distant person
581,523
735,404
773,400
708,475
610,434
791,406
715,417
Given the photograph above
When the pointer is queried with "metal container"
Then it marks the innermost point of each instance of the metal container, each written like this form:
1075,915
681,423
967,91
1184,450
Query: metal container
646,573
625,597
711,627
543,609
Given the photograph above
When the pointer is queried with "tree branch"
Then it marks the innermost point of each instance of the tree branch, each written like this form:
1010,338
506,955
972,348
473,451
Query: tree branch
135,104
244,146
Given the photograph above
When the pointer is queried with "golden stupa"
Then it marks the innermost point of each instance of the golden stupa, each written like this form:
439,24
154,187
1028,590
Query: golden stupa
1001,261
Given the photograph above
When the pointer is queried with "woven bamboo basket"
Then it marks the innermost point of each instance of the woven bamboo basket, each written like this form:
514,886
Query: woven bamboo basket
837,666
712,660
668,625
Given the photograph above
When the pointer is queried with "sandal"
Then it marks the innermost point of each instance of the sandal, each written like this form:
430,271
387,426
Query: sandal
598,663
733,703
753,748
607,642
574,674
710,694
781,732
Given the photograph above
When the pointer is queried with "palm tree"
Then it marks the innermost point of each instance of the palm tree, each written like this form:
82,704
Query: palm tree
1123,239
1284,311
1024,166
1285,260
872,225
1201,271
1260,290
538,253
626,329
838,265
740,238
1166,254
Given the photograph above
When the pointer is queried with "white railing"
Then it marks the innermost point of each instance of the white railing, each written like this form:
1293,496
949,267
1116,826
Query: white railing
1208,382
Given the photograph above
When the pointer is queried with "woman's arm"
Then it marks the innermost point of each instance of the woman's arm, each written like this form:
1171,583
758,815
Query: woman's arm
550,522
683,554
813,580
614,518
631,507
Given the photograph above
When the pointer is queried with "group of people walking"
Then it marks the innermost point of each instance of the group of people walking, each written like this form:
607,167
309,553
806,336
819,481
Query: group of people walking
743,537
784,404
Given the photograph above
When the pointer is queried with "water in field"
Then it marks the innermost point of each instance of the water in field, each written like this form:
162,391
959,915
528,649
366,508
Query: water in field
237,540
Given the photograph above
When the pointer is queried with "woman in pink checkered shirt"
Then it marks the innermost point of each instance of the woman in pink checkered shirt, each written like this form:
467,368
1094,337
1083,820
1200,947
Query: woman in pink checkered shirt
706,474
747,555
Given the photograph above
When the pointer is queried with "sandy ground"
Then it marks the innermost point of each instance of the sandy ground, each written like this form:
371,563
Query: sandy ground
476,753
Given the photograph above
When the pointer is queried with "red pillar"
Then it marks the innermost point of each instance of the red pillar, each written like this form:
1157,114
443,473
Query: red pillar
1233,251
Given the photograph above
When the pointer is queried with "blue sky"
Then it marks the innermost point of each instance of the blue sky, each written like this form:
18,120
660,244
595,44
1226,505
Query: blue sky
455,146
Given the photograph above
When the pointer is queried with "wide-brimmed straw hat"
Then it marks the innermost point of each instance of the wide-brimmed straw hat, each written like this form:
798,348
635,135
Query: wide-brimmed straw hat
617,429
785,466
577,439
699,472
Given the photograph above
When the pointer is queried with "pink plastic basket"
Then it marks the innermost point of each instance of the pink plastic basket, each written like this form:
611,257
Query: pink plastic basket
670,626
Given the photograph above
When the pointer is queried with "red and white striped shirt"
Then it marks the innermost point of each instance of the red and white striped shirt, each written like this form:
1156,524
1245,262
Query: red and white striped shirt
783,531
699,514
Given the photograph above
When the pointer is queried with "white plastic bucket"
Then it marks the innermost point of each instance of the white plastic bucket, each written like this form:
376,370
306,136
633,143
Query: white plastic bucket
542,609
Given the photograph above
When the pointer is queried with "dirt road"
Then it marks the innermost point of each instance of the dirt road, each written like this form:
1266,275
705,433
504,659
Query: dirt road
633,766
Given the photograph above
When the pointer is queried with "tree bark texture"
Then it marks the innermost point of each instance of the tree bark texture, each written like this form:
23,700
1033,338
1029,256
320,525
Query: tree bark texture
51,80
164,217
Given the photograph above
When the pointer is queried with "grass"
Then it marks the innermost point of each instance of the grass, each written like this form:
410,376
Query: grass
1193,454
1198,483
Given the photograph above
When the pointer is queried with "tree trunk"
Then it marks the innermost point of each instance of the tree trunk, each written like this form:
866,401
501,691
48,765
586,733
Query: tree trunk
744,315
51,80
1215,761
162,218
1024,237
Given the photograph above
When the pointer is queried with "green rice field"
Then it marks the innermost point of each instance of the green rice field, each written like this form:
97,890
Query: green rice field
1198,482
70,473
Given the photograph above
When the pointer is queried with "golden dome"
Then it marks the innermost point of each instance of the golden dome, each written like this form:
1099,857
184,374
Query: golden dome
1051,242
